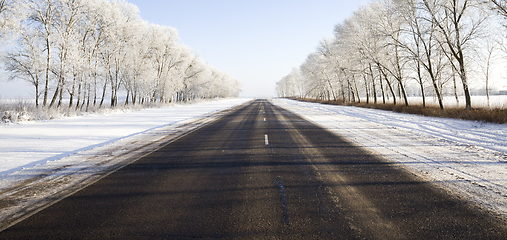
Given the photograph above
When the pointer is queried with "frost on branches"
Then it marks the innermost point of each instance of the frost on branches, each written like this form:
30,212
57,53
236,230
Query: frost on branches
94,52
390,50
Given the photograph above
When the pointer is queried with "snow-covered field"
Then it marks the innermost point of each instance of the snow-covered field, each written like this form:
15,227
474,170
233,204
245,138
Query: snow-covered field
27,144
40,160
467,158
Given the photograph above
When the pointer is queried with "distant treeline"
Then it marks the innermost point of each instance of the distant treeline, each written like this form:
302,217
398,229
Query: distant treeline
88,51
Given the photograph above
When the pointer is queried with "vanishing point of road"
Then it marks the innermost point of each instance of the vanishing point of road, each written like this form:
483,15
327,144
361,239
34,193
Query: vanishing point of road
260,172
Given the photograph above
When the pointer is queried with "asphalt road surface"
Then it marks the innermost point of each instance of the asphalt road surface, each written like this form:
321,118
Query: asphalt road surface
260,172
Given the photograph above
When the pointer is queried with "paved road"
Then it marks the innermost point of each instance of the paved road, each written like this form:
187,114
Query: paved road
260,172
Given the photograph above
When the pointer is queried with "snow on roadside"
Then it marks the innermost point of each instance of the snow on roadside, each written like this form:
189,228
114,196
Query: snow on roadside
467,158
28,144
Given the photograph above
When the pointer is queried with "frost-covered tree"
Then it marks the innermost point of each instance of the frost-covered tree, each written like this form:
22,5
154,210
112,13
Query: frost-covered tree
84,51
27,62
166,55
388,45
292,85
500,6
68,16
458,22
41,18
11,15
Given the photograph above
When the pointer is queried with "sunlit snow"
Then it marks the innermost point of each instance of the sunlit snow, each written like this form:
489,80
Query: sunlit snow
27,144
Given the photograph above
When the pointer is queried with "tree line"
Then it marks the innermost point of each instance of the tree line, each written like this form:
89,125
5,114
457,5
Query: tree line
86,52
388,46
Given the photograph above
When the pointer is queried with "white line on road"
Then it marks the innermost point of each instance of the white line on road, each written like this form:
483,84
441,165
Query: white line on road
266,139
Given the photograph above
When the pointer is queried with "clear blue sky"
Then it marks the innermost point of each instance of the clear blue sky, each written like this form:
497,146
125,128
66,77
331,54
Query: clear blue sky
255,41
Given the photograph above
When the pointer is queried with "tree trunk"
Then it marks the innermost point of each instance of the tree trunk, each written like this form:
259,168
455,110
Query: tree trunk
382,89
60,98
403,92
391,89
73,91
37,91
55,96
127,99
95,87
437,89
487,85
367,90
48,61
421,83
464,80
103,94
356,89
399,76
79,90
373,85
89,95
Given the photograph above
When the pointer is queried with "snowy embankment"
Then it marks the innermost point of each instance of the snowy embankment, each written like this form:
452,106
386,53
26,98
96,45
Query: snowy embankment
41,160
27,144
467,158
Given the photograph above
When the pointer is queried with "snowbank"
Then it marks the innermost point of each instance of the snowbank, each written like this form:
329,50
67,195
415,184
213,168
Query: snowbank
28,144
465,157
